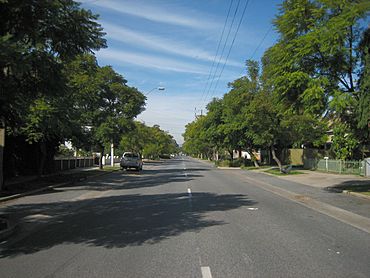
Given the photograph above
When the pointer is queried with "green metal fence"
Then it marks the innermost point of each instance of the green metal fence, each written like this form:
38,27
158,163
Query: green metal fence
337,166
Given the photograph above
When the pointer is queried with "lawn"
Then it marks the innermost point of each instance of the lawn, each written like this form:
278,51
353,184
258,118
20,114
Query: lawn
256,168
278,173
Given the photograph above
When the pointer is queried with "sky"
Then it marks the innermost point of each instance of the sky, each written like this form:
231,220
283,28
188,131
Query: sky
192,48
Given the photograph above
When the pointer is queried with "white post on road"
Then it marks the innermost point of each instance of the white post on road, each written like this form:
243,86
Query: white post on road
112,154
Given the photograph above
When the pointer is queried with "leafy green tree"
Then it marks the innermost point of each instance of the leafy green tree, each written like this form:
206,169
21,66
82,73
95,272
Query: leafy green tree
243,91
313,66
196,139
106,105
152,142
363,111
136,139
344,142
265,124
36,39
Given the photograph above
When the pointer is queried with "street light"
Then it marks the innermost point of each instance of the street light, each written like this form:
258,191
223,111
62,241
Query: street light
155,88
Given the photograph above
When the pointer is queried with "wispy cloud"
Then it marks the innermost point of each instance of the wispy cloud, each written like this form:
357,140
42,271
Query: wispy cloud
173,112
149,41
158,14
150,61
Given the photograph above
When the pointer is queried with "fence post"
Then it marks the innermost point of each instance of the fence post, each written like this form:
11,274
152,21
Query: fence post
326,163
340,166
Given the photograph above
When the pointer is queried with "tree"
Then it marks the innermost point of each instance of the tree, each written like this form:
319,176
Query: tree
315,62
195,138
344,142
243,91
36,38
363,111
106,105
152,142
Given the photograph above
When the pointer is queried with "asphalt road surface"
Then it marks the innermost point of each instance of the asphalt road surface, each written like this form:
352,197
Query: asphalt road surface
180,218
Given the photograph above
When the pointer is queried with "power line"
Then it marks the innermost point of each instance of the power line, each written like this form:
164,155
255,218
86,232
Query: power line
218,48
231,46
259,45
222,52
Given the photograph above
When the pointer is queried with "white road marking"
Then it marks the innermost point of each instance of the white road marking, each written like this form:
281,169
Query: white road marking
189,192
252,208
206,272
36,217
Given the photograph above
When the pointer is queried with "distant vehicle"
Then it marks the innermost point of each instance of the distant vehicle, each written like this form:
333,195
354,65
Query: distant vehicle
131,160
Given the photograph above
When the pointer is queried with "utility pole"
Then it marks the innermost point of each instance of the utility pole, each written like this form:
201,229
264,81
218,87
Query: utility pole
195,113
112,155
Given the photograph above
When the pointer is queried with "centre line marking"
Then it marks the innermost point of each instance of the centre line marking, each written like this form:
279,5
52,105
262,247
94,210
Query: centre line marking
206,272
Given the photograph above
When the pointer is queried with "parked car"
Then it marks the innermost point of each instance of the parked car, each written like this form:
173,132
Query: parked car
131,160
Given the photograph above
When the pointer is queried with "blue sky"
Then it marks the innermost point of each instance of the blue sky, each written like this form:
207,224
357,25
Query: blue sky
173,43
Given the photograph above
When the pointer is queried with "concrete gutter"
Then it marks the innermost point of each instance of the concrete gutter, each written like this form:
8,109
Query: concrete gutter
228,168
356,194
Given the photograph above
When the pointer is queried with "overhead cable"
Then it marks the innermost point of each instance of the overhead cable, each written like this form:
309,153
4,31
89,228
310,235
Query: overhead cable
231,46
218,48
222,52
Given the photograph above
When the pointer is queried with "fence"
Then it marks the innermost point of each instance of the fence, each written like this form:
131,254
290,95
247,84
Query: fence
61,164
336,166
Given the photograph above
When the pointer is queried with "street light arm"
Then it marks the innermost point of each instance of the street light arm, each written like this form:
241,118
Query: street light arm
158,88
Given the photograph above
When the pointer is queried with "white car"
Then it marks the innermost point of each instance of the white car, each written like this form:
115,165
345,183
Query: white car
131,160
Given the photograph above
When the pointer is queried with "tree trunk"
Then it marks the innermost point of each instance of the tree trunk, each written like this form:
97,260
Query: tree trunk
231,153
42,158
101,158
240,153
253,158
2,145
276,158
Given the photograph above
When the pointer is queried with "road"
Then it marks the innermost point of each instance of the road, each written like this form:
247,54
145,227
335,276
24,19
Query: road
181,218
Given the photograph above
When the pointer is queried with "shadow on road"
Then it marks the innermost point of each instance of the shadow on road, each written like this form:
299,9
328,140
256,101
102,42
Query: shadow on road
352,185
121,180
120,221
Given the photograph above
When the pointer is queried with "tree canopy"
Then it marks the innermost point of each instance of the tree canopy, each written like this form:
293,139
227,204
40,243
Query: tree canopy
315,78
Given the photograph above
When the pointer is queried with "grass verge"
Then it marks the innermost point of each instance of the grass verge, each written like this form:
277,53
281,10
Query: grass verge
256,168
278,173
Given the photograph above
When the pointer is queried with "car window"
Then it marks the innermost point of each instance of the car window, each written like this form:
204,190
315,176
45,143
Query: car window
132,155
